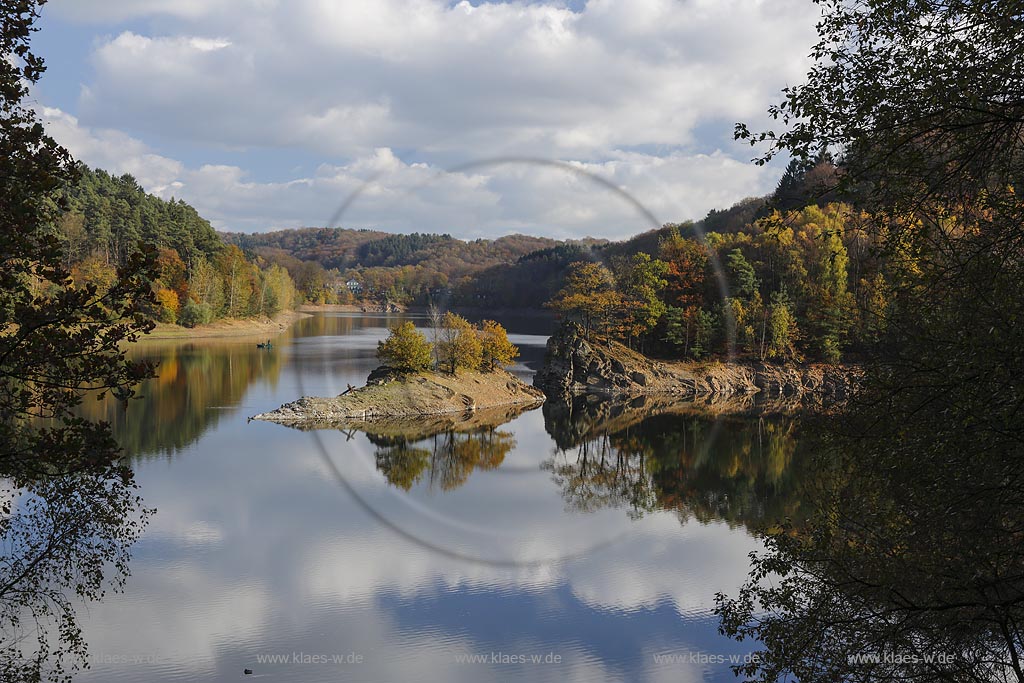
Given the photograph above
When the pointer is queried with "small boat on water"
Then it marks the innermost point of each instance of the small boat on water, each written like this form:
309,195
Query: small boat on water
264,345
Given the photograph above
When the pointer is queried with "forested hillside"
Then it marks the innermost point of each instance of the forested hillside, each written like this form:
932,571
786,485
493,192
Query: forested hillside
790,284
343,249
407,269
331,248
792,275
199,278
802,282
108,216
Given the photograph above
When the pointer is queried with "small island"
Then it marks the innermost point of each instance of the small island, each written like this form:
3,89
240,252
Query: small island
462,371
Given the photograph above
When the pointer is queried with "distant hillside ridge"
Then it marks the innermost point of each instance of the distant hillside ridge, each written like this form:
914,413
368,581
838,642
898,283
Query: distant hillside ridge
345,248
343,265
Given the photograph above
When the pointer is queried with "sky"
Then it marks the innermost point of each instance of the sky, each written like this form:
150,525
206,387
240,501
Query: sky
475,119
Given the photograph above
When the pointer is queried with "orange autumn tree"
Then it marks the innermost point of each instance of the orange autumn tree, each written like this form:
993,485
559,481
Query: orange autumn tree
172,272
95,271
688,325
686,262
589,296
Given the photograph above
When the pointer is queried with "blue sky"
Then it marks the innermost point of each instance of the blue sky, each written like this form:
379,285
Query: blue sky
267,114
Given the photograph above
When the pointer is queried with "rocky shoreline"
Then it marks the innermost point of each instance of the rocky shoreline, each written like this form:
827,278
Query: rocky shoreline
389,394
574,366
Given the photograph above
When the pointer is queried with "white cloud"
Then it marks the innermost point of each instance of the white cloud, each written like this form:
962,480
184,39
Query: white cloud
113,151
343,78
642,93
488,199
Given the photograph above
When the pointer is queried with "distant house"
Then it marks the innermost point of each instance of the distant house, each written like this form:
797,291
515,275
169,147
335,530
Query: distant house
354,286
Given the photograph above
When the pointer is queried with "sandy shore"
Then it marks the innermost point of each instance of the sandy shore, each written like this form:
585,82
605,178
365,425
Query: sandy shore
262,328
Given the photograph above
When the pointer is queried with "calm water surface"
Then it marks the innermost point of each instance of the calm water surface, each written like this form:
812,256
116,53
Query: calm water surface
567,544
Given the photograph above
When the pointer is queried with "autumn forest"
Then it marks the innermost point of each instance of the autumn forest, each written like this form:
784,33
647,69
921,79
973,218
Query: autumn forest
784,277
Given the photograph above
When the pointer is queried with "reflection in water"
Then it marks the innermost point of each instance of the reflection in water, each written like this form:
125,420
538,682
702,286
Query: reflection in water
644,455
65,541
444,460
439,451
257,550
199,383
649,455
906,567
196,384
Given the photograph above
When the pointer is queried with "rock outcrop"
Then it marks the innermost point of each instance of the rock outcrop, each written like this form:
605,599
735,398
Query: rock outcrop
389,394
574,366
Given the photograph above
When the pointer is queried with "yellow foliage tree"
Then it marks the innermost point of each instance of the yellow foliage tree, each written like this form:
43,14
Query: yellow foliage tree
405,349
590,296
94,271
498,351
167,300
458,346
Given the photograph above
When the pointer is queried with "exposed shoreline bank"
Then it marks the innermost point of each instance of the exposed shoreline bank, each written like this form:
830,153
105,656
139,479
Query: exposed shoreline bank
228,328
574,366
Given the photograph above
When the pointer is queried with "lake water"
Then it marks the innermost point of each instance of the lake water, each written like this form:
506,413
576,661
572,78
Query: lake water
567,544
